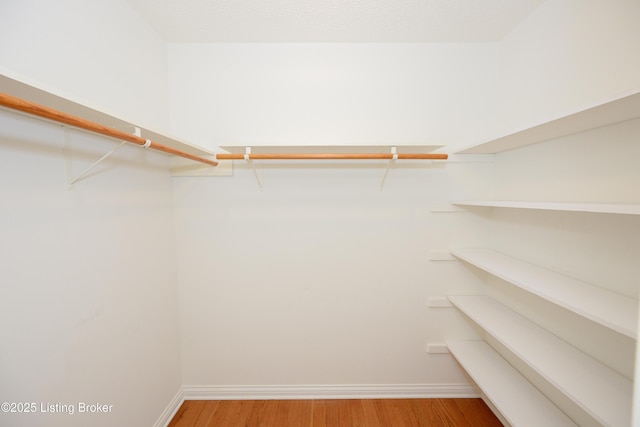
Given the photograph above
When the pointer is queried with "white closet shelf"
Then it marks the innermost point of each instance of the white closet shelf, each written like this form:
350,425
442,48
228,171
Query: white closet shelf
608,208
342,149
612,310
598,390
618,109
517,400
44,97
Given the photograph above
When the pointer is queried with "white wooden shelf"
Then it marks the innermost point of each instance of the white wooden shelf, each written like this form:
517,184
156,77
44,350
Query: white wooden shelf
600,392
518,401
38,95
607,208
618,109
615,311
342,149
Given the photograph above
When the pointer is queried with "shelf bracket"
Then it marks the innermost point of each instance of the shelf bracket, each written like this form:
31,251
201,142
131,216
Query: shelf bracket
391,162
247,157
71,180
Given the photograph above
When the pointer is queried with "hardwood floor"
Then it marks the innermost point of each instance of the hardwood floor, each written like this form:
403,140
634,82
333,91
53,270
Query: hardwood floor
336,413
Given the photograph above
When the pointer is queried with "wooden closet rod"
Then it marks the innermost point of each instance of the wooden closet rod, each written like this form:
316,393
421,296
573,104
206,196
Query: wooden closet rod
332,156
58,116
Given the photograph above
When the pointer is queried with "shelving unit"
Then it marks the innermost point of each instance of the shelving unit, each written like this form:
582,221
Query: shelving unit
517,400
615,311
597,390
590,392
606,208
618,109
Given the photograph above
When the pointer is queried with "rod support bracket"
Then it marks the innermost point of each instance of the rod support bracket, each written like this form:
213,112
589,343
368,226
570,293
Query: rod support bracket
71,180
247,157
394,157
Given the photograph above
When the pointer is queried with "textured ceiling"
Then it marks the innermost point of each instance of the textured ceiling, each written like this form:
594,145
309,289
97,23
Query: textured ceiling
384,21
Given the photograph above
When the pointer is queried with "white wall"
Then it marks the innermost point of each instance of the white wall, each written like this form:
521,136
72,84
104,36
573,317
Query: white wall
322,278
568,55
99,53
331,94
89,303
89,299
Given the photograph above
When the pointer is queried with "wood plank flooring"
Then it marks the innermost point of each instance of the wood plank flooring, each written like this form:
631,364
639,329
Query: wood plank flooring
335,413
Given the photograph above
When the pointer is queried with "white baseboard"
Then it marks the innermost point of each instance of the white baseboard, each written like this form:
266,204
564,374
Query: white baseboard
366,391
297,392
171,409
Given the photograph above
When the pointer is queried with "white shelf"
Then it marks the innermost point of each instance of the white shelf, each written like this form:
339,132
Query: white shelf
615,311
608,208
598,390
342,149
32,93
517,400
625,107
